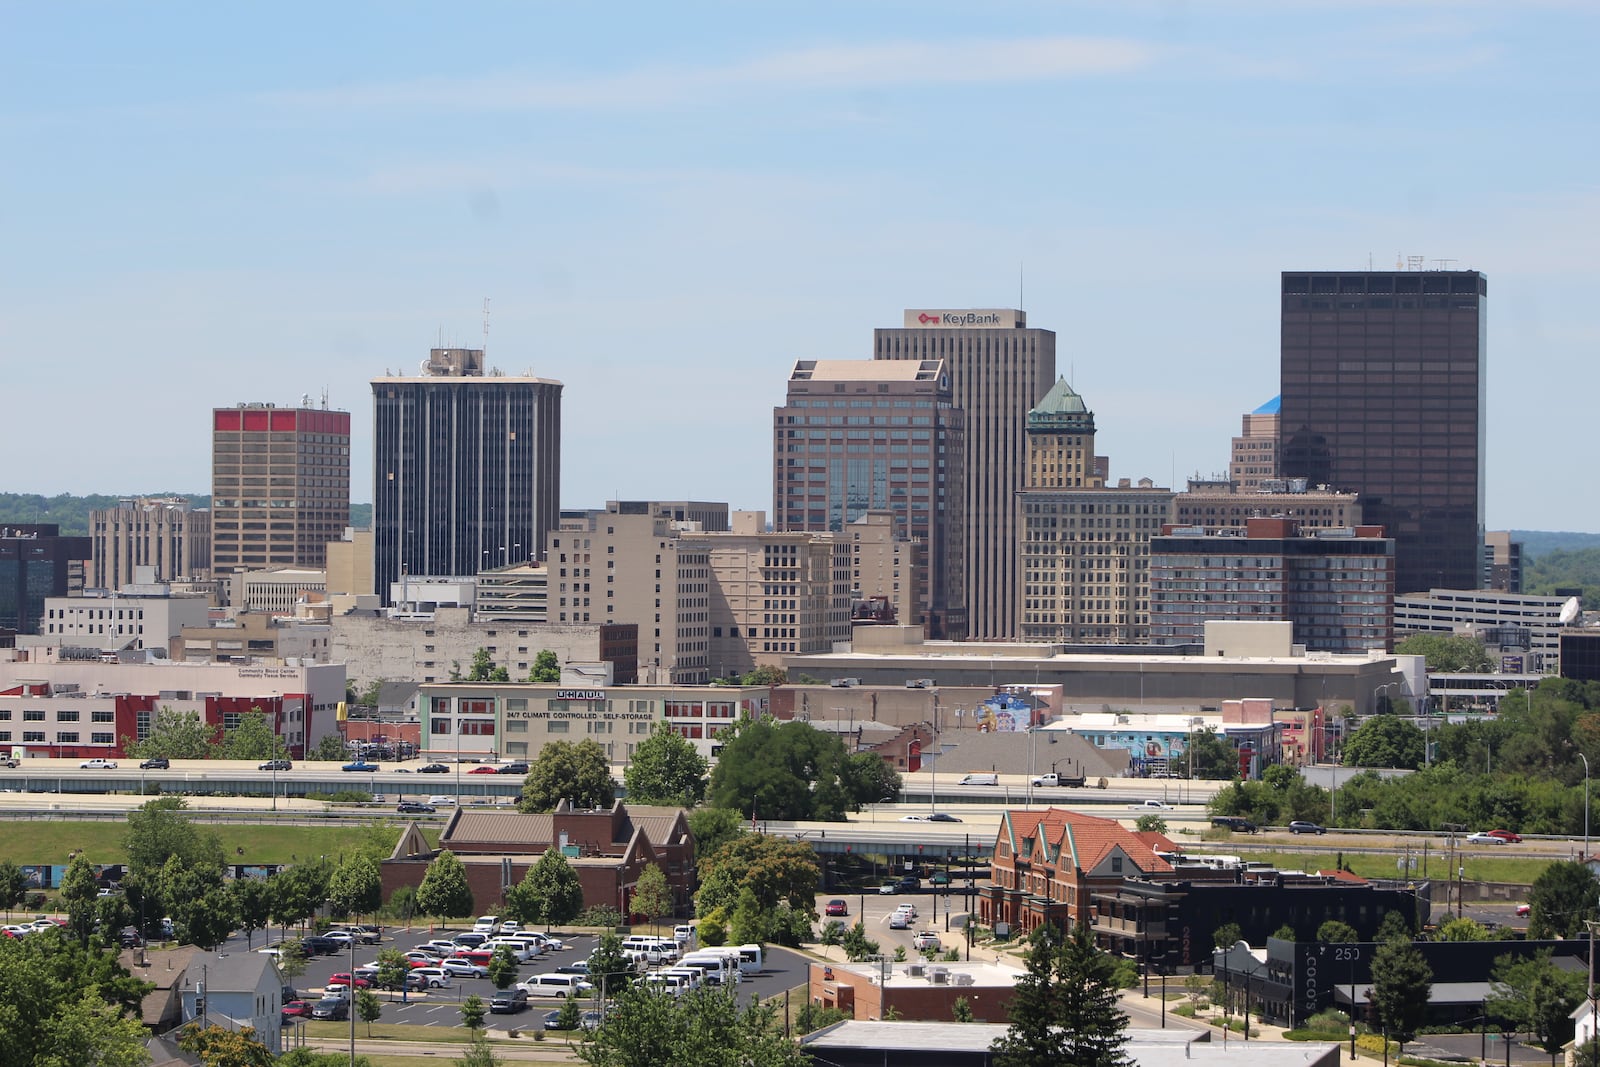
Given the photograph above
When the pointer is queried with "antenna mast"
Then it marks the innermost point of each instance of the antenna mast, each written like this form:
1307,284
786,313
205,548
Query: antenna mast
486,329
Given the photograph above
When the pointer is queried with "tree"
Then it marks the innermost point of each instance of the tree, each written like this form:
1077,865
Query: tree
484,670
252,739
789,770
857,945
766,675
1463,929
298,891
218,1047
175,735
13,886
1225,937
749,923
1150,824
1446,654
1534,995
712,826
961,1010
546,668
1065,1008
356,887
79,890
1210,756
392,970
1285,933
1395,926
252,905
1384,741
1402,982
329,748
292,959
473,1010
479,1053
88,1032
200,904
576,772
550,893
775,869
1562,897
568,1017
609,970
1334,932
159,830
706,1026
652,896
867,778
444,892
369,1009
502,968
666,769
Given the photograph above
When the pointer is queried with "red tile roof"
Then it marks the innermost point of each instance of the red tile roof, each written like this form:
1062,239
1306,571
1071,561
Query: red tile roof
1083,840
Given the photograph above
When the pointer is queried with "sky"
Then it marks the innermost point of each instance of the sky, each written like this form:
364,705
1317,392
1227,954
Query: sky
666,205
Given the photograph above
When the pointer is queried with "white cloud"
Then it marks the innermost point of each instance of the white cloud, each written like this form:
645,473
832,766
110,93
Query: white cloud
910,63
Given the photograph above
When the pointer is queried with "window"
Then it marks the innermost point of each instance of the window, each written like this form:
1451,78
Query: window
477,727
99,739
33,715
33,735
556,726
100,716
439,726
516,726
66,737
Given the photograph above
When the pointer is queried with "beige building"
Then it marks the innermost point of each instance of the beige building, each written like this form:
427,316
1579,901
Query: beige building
162,533
773,594
253,635
998,368
885,567
629,564
1084,548
1255,450
1216,506
133,617
275,591
350,565
519,592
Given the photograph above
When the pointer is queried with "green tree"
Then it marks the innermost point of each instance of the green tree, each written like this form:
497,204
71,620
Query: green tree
1402,982
1536,996
1225,937
13,886
775,869
369,1009
200,904
1562,897
218,1047
767,675
1334,932
1285,933
609,969
569,1016
88,1032
329,749
1065,1007
252,739
175,735
251,905
356,887
479,1053
1396,926
1463,929
1150,824
161,829
749,923
857,945
867,778
666,769
1446,654
444,893
705,1026
788,770
549,894
652,896
79,890
484,670
546,668
712,826
577,772
1384,741
502,968
1210,756
292,959
473,1010
392,969
961,1010
298,891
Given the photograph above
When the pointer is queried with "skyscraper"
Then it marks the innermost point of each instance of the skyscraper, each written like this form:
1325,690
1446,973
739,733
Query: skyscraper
1382,380
856,436
467,468
280,486
998,368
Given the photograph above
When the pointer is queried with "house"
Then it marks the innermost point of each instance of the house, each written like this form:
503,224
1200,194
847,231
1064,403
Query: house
608,847
234,990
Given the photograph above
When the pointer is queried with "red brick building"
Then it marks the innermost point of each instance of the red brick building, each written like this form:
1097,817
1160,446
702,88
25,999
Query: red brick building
1048,863
915,991
608,847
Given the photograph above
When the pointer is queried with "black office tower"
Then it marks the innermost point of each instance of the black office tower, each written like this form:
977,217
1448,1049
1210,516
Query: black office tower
467,469
1382,376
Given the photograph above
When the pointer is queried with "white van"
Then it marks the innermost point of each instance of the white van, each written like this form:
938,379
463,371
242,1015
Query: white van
750,959
979,779
556,985
486,924
719,968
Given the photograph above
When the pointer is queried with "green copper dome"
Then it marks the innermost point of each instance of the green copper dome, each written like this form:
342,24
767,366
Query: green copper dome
1061,411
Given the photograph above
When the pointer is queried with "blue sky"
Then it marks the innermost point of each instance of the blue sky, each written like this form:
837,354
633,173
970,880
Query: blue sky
667,204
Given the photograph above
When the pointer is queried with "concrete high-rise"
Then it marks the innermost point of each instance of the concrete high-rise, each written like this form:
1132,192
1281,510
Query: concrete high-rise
999,368
467,468
162,533
1383,394
859,436
280,486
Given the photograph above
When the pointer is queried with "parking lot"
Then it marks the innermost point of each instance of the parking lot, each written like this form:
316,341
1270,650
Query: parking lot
442,1007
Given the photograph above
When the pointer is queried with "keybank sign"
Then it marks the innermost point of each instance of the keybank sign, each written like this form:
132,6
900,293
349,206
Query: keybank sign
977,318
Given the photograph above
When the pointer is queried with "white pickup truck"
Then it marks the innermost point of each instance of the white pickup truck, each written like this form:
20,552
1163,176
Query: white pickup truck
1057,780
1150,805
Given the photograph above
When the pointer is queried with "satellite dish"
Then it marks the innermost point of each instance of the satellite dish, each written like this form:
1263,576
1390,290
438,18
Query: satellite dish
1570,611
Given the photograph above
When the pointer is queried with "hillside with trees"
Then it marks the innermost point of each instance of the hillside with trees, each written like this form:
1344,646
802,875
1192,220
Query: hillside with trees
71,512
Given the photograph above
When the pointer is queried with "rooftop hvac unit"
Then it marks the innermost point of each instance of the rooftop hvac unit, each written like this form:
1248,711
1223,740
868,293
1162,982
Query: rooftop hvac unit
916,970
962,979
939,975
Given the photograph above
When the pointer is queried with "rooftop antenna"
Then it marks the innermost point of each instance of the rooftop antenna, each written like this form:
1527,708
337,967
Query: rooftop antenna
1020,305
486,328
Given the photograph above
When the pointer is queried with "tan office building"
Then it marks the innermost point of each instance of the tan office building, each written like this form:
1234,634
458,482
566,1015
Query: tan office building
1255,450
163,533
1216,506
999,368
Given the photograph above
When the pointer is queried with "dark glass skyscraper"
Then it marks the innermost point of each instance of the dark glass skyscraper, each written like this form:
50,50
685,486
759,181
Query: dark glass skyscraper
467,469
1382,376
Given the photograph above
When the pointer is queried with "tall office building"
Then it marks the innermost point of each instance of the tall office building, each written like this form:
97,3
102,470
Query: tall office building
856,436
467,468
280,486
162,533
1255,450
1382,381
999,368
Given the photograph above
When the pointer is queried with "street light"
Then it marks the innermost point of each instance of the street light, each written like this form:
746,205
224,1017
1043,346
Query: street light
1585,806
1379,689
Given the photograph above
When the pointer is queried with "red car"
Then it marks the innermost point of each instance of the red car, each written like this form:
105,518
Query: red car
1523,910
343,978
300,1008
480,956
837,907
483,770
1506,836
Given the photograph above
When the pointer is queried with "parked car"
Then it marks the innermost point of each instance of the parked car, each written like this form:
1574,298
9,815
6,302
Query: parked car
1486,839
156,763
344,978
889,889
317,945
439,800
483,770
433,768
587,1021
508,1001
1508,836
837,907
939,878
1236,823
414,807
297,1009
98,765
434,977
359,765
517,767
335,1008
459,968
1523,910
275,765
1301,826
344,937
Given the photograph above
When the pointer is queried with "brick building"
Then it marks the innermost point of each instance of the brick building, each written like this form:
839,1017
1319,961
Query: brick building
915,991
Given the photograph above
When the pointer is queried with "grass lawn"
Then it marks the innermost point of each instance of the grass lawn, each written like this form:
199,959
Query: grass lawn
1520,870
49,841
330,1032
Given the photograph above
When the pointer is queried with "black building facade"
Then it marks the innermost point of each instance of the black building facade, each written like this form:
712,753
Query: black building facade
1382,377
37,562
467,469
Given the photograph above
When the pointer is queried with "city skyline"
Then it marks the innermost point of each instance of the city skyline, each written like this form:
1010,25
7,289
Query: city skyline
672,204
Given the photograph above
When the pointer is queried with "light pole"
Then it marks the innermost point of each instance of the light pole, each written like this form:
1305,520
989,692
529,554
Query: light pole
1585,806
1379,689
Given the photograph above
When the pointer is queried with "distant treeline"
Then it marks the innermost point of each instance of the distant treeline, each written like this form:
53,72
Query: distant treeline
1566,569
71,513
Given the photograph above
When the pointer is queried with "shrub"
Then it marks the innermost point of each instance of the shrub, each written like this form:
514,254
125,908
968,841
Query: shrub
1185,1010
600,915
1373,1043
1329,1021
